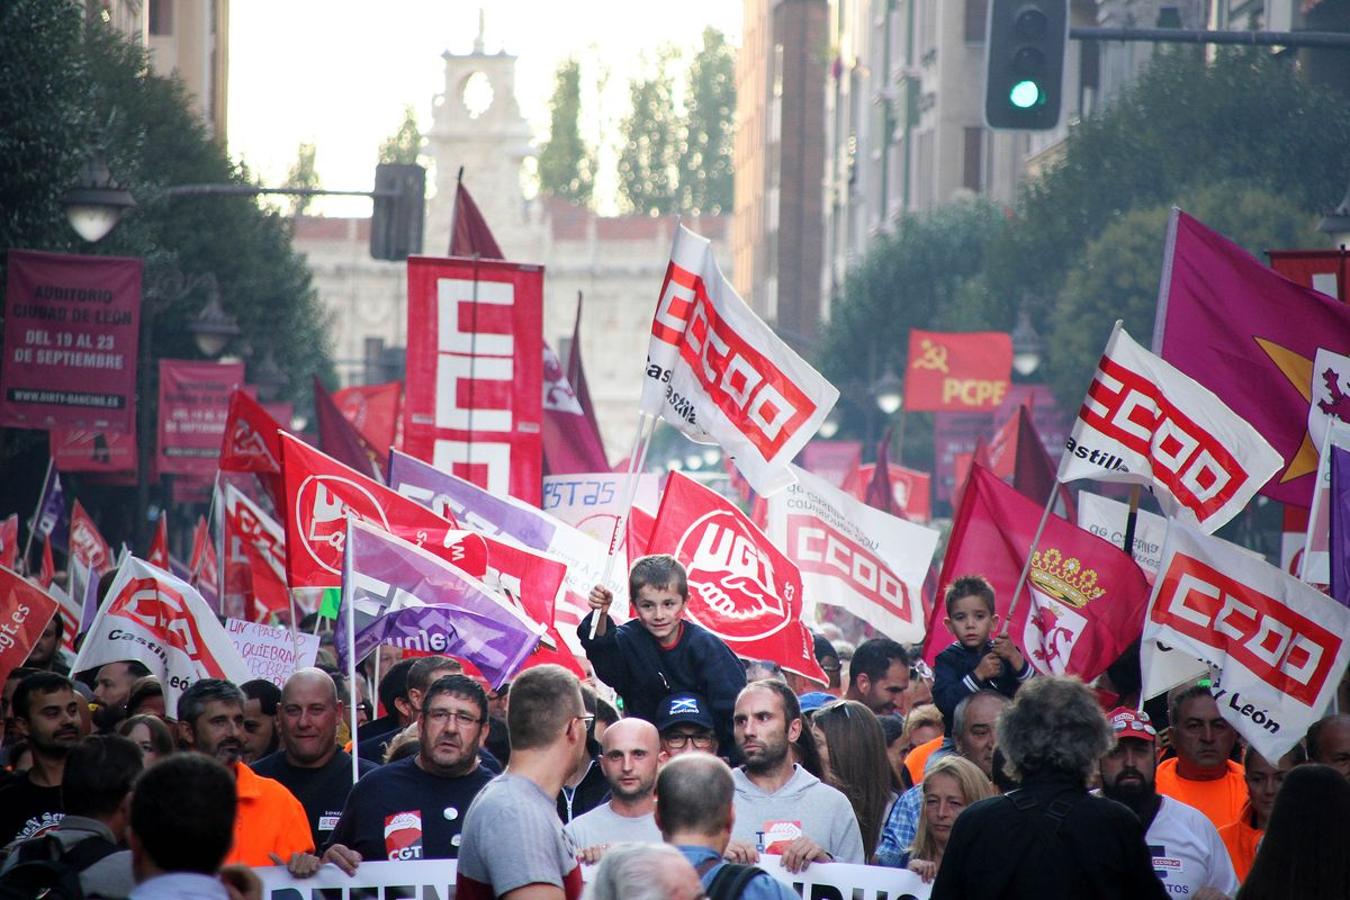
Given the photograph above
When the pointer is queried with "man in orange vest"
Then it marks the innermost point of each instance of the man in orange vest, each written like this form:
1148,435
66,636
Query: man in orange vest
1201,774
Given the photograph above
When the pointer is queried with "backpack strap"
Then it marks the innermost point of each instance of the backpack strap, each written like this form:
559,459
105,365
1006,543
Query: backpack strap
731,880
85,853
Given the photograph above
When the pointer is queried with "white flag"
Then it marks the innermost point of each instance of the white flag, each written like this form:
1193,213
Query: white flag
853,556
1279,645
720,375
152,616
1144,422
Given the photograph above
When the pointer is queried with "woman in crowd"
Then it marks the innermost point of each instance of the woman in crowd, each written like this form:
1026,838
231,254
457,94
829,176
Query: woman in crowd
853,756
1305,853
150,734
950,786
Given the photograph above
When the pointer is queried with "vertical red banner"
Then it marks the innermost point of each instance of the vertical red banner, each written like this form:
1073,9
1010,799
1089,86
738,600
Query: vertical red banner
474,395
71,330
194,404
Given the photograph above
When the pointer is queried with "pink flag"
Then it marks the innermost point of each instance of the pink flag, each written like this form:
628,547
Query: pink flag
339,439
572,445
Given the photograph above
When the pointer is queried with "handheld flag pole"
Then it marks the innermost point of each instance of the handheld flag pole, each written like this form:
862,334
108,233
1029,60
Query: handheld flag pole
1130,519
1026,567
351,652
637,457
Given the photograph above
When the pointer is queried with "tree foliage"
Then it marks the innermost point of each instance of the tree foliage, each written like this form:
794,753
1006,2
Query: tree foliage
566,164
403,146
705,164
303,175
648,160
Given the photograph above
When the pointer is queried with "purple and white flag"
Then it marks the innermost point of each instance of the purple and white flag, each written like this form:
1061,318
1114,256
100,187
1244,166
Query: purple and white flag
403,595
1339,501
53,517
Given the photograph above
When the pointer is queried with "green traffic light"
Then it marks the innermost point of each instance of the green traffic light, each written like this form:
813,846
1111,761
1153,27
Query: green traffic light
1025,94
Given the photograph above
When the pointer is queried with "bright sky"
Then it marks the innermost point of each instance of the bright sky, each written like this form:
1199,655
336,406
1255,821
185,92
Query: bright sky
338,73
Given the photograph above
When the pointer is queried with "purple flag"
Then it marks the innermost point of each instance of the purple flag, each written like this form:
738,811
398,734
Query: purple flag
1339,540
400,594
87,593
53,518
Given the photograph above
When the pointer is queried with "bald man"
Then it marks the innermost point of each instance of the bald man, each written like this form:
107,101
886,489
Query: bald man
310,764
630,753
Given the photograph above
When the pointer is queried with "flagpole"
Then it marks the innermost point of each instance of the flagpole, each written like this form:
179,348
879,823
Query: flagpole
351,677
33,524
637,457
1316,509
1130,518
1026,566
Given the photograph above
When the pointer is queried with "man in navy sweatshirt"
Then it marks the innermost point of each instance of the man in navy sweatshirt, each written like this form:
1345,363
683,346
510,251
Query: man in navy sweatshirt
659,652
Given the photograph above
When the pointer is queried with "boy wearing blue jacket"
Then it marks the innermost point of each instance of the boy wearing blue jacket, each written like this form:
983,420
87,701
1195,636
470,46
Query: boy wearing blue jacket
659,652
974,662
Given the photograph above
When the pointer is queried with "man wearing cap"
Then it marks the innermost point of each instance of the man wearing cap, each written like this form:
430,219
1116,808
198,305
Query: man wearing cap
1188,856
686,726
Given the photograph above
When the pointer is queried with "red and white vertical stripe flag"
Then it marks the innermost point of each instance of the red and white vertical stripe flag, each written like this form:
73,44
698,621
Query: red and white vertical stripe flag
159,547
1144,422
720,375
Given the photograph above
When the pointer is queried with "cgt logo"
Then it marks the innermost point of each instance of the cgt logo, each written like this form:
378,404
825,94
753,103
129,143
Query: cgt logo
1286,650
322,505
821,550
732,589
403,835
753,393
1128,408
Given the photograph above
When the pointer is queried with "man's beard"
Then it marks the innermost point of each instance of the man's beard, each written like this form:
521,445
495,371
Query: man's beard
771,758
1138,794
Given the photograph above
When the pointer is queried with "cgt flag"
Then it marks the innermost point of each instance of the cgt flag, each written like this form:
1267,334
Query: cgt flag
1279,644
1144,422
742,588
853,556
158,619
720,375
1085,596
402,595
952,372
25,611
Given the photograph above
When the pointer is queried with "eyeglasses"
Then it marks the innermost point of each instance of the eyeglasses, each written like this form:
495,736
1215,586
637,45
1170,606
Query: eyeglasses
446,716
678,739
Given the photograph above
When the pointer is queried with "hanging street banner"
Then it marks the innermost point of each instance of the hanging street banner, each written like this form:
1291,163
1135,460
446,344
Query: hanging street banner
593,503
71,329
1279,644
720,375
853,556
835,461
194,406
912,489
474,399
93,450
955,372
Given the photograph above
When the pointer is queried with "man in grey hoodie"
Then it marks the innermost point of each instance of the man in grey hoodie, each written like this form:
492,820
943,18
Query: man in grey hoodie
780,807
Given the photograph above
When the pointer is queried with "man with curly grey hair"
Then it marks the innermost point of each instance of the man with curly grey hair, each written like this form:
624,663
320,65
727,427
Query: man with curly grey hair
1049,838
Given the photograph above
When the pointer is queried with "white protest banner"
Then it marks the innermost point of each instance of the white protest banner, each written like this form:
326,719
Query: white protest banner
1280,646
434,879
853,556
270,652
1144,422
592,503
160,620
1106,518
720,375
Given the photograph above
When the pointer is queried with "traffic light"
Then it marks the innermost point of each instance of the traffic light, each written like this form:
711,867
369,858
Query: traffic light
400,199
1024,63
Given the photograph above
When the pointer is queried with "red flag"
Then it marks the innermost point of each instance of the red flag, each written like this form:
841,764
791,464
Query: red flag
1017,453
252,443
27,612
87,545
1083,602
640,523
202,561
159,548
469,233
912,489
267,591
47,574
9,541
321,493
741,587
339,439
572,445
949,372
374,411
880,494
576,374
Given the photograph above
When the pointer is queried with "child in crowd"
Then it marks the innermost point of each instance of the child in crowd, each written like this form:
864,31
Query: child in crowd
974,661
660,653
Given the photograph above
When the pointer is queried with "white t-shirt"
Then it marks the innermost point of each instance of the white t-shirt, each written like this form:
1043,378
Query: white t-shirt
604,826
1187,852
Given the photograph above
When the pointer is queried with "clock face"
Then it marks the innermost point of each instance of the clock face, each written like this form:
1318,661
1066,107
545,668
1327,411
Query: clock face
476,94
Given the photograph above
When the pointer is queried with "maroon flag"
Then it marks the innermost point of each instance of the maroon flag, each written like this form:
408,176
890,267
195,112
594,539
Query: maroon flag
1085,598
375,411
470,234
1017,453
576,374
880,492
1250,335
339,439
47,574
572,446
159,547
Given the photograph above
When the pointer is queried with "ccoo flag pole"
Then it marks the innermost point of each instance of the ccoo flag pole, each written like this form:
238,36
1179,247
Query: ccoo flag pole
350,603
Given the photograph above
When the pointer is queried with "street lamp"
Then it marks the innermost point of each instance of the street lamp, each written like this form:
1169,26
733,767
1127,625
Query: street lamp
711,456
1336,224
830,427
213,327
269,378
1027,345
889,392
96,203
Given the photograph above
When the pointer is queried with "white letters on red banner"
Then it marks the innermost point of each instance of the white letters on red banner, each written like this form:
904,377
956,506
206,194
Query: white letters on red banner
853,556
720,375
1144,422
474,396
1280,645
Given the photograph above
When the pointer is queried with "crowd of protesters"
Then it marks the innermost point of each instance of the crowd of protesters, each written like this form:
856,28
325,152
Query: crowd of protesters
674,770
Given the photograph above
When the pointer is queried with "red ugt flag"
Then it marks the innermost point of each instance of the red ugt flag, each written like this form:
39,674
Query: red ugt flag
741,587
1084,600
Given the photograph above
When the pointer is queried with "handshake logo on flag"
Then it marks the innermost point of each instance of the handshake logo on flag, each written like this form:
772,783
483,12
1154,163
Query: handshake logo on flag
728,574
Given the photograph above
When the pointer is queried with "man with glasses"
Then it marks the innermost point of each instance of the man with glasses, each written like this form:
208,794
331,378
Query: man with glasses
415,808
686,726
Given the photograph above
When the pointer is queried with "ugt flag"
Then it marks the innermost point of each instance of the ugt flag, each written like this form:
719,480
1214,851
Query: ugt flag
152,616
853,556
741,587
1144,422
1083,601
720,375
400,594
1279,644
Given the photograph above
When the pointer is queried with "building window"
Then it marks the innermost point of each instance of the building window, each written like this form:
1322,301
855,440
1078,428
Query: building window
977,11
973,167
161,17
